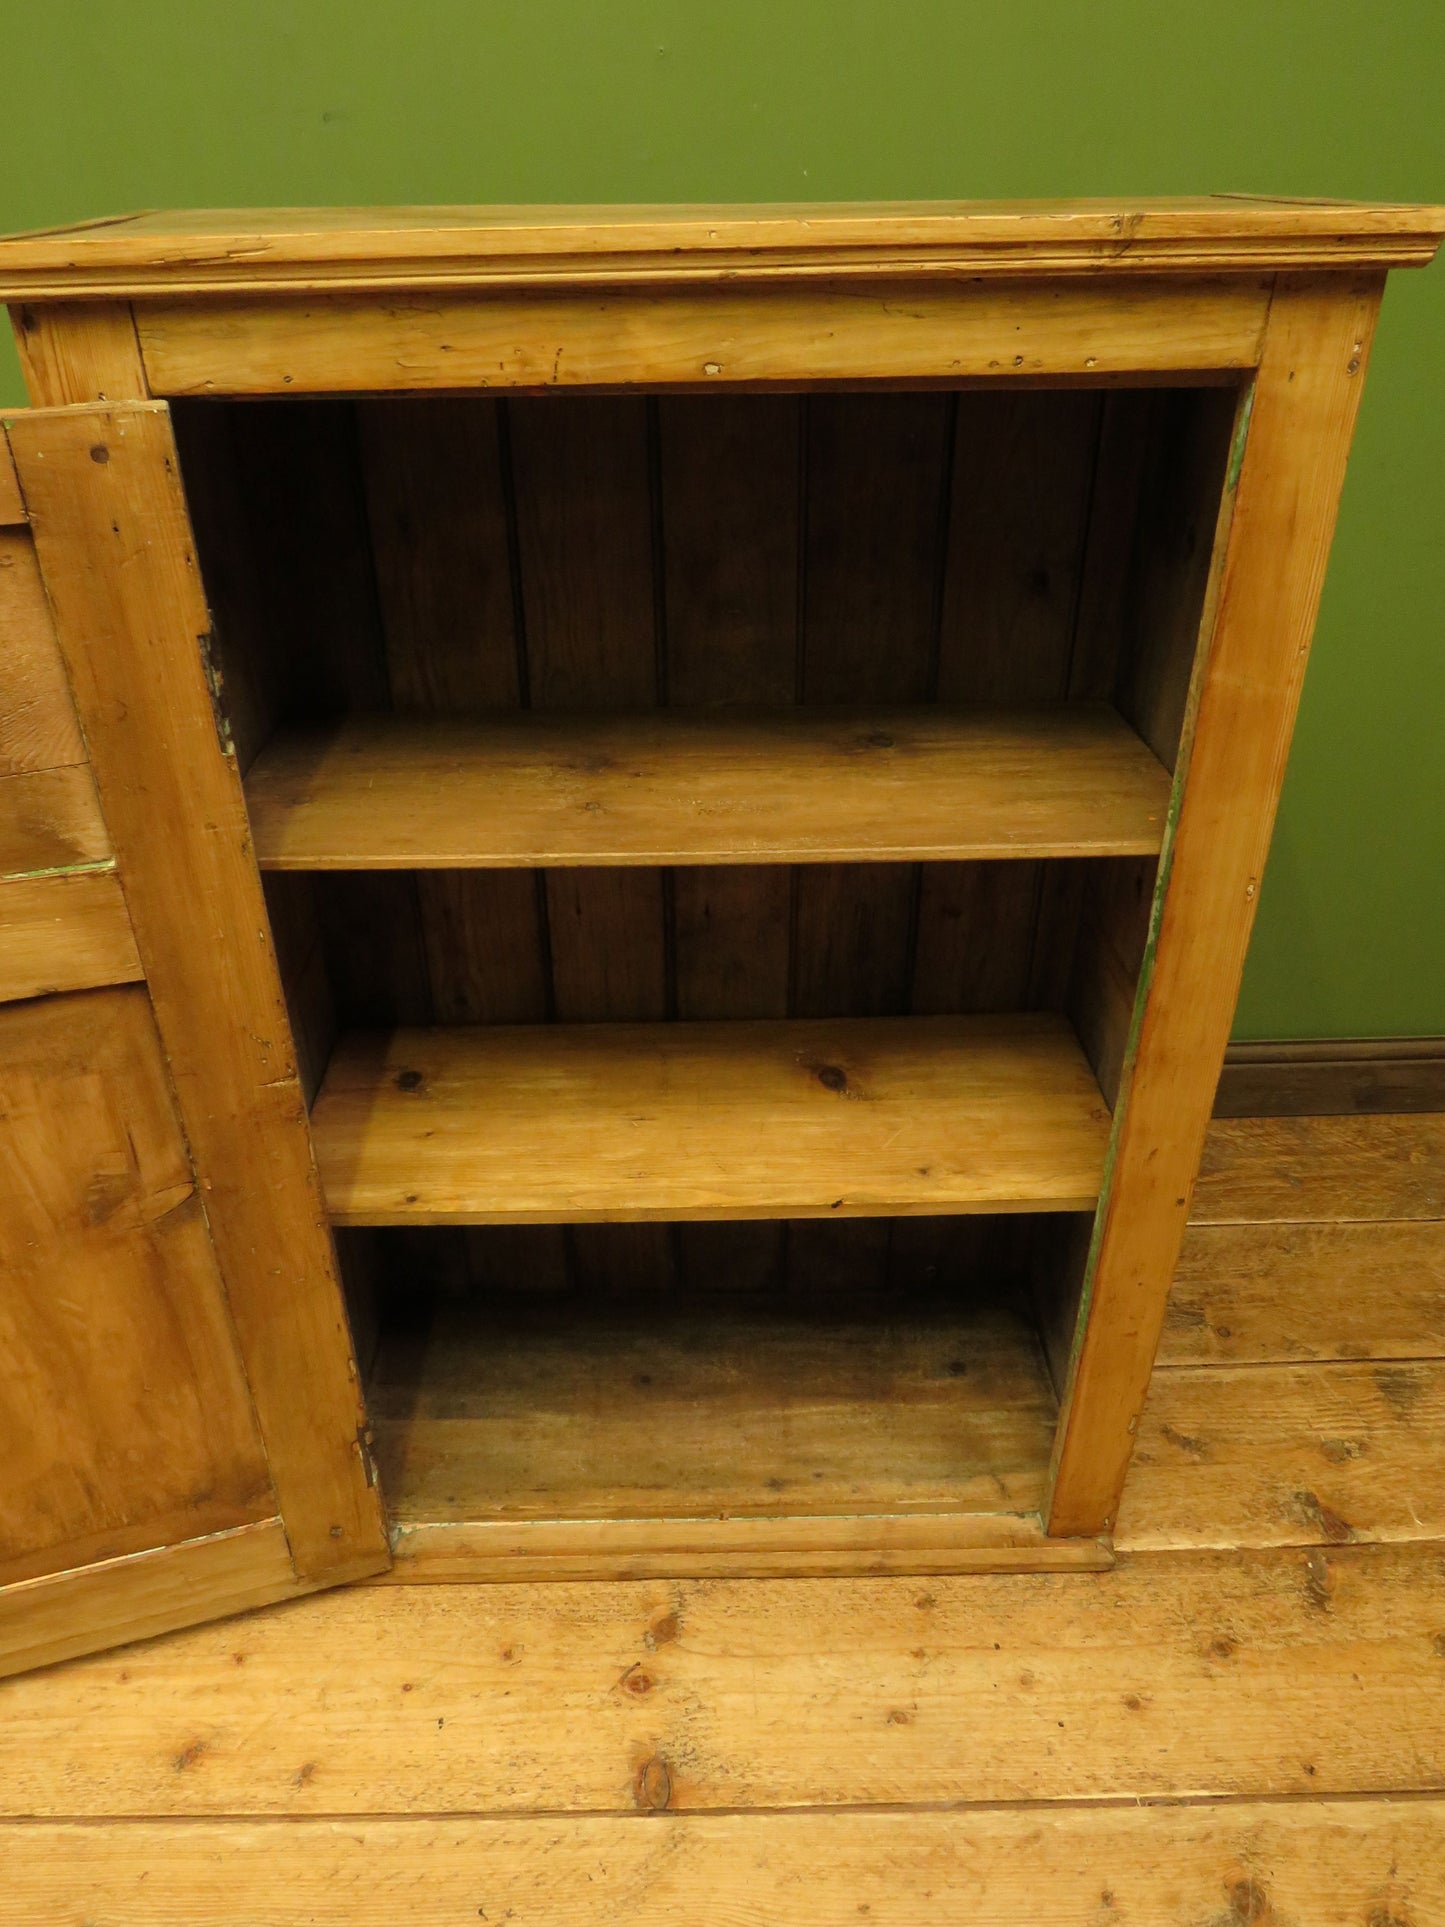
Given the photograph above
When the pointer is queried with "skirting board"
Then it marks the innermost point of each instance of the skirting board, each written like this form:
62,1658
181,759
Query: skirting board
1332,1079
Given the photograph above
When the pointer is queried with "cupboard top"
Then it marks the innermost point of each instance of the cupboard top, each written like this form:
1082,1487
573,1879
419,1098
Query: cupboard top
275,248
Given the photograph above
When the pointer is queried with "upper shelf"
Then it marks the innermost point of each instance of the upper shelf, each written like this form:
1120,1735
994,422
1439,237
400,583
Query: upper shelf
684,786
261,249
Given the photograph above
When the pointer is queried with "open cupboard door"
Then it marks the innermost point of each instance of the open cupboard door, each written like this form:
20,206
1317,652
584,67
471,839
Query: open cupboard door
180,1419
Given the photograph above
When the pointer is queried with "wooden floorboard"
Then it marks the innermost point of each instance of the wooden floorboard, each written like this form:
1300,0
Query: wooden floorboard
1278,1455
1280,1672
1313,1863
1290,1170
1255,1293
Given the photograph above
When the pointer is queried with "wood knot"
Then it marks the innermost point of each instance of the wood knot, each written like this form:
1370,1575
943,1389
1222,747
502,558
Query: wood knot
1248,1903
661,1632
652,1789
408,1080
832,1077
100,453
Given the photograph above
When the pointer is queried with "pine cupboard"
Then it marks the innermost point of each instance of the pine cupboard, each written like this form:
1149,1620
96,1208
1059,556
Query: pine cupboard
629,838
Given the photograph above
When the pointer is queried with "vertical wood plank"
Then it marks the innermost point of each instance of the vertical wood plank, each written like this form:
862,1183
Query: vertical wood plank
439,538
584,518
877,472
114,541
442,542
1306,394
79,351
1022,473
729,470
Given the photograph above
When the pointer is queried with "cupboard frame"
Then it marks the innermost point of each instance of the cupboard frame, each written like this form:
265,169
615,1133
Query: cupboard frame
1274,300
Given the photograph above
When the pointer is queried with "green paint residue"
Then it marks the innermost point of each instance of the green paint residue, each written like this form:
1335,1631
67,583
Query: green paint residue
1241,436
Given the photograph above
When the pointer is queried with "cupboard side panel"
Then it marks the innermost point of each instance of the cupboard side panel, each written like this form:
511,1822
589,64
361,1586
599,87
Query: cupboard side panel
1287,482
115,546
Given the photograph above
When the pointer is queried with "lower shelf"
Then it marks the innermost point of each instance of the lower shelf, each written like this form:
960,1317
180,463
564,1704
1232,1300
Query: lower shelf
815,1118
533,1437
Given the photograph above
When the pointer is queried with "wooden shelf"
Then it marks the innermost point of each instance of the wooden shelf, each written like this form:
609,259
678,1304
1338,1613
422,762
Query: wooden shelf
589,1122
512,1407
707,786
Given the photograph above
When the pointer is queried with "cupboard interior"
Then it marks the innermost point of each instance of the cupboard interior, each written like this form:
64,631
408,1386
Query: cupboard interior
394,578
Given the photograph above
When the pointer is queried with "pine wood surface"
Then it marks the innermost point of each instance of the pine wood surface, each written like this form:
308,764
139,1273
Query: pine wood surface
579,1123
268,247
1331,1863
692,338
733,1545
50,817
1308,1169
114,542
1267,568
1294,1672
50,823
55,1616
654,1409
65,932
12,504
703,787
1257,1293
79,351
126,1421
1319,1454
1278,1710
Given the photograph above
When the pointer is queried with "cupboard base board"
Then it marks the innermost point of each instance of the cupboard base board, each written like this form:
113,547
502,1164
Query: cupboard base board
789,1548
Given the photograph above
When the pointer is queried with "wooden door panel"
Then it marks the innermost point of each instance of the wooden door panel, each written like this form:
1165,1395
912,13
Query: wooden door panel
126,1421
102,489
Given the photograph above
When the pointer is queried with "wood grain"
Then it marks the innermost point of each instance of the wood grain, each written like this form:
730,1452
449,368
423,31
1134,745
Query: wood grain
1333,1863
707,786
508,1411
1320,1169
38,726
689,338
1293,1672
115,546
1263,1455
50,821
12,503
67,932
126,1421
1244,1293
809,1545
1303,409
134,1598
79,351
625,1121
374,247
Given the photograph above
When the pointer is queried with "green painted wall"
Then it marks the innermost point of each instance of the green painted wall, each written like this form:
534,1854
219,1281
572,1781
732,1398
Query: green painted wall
110,106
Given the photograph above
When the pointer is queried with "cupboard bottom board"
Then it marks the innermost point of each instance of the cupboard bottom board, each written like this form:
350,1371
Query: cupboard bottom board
527,1438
